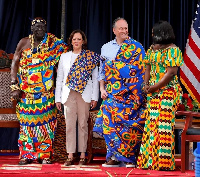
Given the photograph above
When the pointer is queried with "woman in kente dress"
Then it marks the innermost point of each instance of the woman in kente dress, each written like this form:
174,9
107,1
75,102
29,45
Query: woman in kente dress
163,96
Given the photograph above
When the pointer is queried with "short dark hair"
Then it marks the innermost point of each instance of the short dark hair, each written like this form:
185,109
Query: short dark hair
163,33
116,20
72,35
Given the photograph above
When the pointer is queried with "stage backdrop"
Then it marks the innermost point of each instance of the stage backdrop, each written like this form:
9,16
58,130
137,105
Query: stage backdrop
95,18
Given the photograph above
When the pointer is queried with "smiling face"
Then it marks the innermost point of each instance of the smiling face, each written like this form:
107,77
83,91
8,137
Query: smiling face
121,30
77,42
39,30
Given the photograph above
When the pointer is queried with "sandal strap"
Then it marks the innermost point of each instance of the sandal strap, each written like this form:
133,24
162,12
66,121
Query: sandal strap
70,159
46,160
82,159
23,159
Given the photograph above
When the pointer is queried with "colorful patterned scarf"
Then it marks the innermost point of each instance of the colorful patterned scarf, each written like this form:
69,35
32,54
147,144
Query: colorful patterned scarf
81,70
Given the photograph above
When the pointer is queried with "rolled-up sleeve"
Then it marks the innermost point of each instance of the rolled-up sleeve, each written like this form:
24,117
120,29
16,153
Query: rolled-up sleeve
101,75
108,52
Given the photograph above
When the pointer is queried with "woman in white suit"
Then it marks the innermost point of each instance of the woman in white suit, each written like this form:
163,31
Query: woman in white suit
77,88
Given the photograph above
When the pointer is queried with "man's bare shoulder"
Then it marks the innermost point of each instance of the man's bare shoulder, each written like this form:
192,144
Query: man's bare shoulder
24,40
24,43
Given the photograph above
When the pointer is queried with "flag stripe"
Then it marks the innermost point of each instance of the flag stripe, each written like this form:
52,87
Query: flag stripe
195,37
190,88
191,78
192,51
190,71
192,68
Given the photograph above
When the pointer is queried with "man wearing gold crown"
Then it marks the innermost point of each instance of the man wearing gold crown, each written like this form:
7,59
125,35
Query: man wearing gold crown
32,83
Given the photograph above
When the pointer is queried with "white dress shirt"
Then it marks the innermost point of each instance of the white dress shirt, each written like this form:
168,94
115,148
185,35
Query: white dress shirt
108,51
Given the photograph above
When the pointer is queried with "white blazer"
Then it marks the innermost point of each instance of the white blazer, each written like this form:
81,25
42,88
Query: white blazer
91,91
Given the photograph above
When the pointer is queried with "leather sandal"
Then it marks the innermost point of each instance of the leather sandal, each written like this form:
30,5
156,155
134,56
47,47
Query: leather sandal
69,161
82,161
46,161
25,161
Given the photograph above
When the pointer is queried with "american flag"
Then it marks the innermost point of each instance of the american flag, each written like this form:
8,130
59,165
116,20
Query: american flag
190,71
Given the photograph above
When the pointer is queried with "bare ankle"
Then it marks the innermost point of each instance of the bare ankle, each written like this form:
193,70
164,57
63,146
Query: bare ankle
70,156
82,155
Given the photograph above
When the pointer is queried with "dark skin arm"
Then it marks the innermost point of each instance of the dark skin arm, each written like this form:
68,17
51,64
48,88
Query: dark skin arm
93,104
146,78
171,72
23,44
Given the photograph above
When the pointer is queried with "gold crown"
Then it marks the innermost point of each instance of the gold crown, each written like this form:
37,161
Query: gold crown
38,21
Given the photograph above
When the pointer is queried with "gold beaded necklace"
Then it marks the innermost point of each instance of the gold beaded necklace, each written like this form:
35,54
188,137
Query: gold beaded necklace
32,44
35,58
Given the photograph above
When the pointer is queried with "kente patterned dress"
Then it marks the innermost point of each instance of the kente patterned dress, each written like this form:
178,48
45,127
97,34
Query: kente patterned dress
157,149
36,110
122,115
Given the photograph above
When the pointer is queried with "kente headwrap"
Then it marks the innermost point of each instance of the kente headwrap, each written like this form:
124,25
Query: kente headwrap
81,70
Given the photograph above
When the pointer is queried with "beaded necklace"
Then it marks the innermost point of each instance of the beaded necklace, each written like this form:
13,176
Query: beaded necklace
32,45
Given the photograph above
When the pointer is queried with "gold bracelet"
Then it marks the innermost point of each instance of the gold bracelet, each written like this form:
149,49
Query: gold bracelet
14,87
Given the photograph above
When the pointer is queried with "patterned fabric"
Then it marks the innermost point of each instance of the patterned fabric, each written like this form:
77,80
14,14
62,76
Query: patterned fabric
157,149
5,91
36,110
160,60
81,70
8,117
59,146
93,116
122,115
